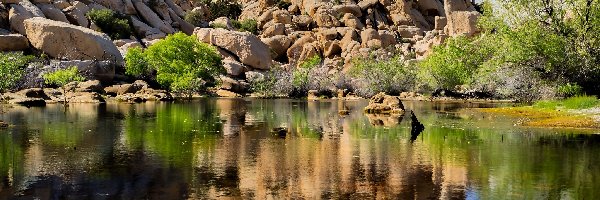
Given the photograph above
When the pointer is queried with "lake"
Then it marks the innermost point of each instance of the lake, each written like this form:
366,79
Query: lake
281,149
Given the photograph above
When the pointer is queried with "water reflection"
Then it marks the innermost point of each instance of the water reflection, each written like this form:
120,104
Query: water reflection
216,148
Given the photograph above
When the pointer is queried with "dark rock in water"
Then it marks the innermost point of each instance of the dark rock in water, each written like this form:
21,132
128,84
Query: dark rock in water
34,93
416,128
3,124
280,132
28,102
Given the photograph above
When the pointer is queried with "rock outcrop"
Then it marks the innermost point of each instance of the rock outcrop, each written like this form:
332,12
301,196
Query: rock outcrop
66,41
247,47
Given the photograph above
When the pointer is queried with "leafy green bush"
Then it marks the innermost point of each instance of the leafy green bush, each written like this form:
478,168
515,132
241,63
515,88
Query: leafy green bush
194,18
248,25
135,63
111,23
569,90
282,4
391,76
223,8
301,76
580,102
182,63
63,77
11,68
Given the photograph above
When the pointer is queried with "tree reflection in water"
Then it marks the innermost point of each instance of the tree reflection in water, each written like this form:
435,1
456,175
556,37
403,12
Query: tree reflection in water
214,148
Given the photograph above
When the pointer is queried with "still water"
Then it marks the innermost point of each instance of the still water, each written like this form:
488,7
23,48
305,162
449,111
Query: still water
226,148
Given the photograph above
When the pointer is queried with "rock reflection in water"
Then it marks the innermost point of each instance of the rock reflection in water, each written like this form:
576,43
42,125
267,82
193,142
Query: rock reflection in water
224,148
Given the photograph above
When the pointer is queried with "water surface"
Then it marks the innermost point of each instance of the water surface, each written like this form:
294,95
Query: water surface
227,148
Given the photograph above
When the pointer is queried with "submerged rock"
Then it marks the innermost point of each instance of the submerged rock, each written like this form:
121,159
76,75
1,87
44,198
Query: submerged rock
385,104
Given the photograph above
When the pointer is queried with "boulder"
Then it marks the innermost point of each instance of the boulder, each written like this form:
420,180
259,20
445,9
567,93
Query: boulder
85,97
81,7
365,4
146,31
462,23
53,13
66,41
233,85
295,51
176,8
332,48
184,26
33,93
388,38
325,18
303,22
28,102
440,23
13,42
123,89
348,8
103,71
76,16
247,47
233,67
409,31
228,94
282,16
384,104
352,21
275,29
61,4
278,44
152,18
18,13
89,86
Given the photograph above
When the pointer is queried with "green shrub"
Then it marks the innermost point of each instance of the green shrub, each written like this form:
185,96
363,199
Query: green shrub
223,8
135,63
276,82
391,76
569,90
282,4
62,77
11,68
580,102
546,104
218,25
248,25
301,76
194,18
111,23
182,63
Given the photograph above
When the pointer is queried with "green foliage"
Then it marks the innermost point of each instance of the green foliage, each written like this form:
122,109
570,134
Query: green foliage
311,62
569,90
248,25
63,76
182,63
194,18
301,77
135,62
391,76
578,102
218,25
11,68
111,23
223,8
274,83
282,4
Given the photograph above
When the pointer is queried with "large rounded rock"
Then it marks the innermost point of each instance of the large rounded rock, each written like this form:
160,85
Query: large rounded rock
152,18
18,13
53,13
247,47
278,44
66,41
13,42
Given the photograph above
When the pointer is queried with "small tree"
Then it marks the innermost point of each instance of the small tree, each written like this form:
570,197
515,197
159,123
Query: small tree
11,69
111,23
63,77
182,63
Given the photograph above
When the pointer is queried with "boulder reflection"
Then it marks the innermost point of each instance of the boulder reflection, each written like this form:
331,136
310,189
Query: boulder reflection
225,148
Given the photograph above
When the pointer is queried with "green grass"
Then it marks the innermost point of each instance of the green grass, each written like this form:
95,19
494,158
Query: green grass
579,102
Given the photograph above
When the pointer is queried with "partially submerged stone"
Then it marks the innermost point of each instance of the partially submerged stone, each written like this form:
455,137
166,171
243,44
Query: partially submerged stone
384,104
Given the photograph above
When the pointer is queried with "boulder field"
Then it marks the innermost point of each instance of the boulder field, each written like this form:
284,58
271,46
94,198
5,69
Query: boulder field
337,31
